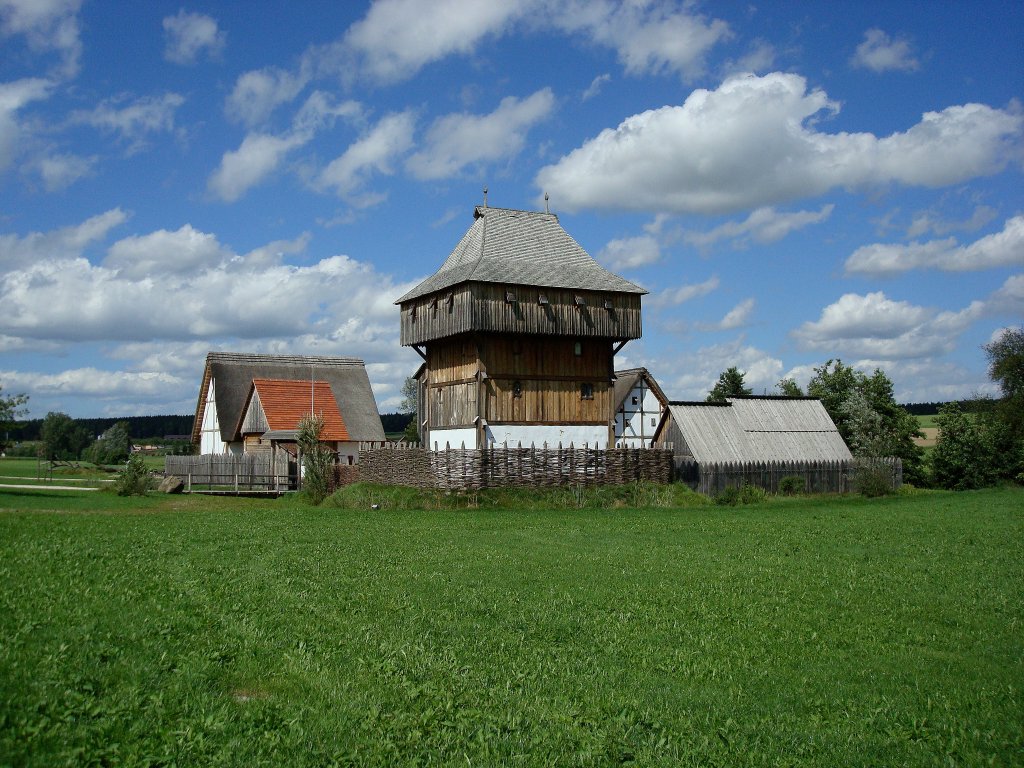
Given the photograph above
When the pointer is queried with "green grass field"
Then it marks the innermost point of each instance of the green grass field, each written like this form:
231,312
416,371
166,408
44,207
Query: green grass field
196,631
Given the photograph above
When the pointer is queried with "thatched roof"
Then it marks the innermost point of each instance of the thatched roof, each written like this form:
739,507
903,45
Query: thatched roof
520,248
234,374
757,429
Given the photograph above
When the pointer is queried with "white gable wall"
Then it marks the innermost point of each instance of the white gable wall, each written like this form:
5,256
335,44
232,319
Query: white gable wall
210,441
635,422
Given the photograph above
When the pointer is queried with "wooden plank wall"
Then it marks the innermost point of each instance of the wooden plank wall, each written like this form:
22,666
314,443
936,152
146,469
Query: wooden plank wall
485,307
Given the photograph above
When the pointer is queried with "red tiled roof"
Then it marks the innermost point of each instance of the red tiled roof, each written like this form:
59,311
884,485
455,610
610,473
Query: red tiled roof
286,402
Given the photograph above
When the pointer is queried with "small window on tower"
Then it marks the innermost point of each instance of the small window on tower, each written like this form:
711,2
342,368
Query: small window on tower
517,389
577,348
586,391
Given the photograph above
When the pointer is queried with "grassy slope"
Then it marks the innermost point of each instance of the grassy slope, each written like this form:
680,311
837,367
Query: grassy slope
203,632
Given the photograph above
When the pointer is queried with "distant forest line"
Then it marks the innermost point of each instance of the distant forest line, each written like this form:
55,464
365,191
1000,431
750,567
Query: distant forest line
160,427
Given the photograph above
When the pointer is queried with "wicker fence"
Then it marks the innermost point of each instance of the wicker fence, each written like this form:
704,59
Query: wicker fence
246,471
817,476
495,467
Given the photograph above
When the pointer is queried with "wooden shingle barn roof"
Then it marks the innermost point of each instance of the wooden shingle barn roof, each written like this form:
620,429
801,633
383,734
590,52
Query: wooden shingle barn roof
520,248
744,429
234,374
284,404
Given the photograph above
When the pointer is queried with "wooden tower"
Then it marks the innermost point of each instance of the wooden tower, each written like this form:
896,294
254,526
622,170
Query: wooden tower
518,330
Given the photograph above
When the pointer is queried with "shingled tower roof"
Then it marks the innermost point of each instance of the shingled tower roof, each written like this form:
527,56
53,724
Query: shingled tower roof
520,248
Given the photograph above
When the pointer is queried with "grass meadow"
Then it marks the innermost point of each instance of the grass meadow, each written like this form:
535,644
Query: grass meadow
181,631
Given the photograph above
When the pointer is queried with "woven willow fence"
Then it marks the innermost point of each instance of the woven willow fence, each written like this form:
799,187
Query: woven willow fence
818,476
246,471
495,467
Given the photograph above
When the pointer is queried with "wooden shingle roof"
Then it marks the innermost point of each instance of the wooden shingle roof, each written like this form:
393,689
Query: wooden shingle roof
284,404
521,248
746,429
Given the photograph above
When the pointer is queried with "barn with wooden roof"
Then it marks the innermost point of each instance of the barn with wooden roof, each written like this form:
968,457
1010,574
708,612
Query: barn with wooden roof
743,430
250,402
518,329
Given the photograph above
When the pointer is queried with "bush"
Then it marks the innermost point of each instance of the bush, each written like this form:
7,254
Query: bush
792,485
873,479
134,479
744,494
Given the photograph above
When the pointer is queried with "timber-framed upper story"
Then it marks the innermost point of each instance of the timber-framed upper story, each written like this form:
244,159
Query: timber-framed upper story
520,272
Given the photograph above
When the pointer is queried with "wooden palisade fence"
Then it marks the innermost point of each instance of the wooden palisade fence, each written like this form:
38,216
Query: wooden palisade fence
818,476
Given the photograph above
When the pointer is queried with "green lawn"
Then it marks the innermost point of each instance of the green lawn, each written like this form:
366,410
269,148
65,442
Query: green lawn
195,631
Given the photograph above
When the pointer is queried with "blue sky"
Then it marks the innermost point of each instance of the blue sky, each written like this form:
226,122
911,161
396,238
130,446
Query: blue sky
792,182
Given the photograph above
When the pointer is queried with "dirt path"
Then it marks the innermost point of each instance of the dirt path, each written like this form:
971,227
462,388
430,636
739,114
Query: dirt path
41,487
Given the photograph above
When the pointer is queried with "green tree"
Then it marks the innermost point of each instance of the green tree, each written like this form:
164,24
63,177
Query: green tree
10,409
963,457
867,415
789,388
63,438
317,459
112,447
730,384
410,396
1005,416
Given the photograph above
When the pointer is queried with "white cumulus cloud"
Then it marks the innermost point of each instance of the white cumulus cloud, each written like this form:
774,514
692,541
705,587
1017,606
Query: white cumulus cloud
375,152
630,252
755,141
763,225
455,141
1000,249
881,53
47,25
877,327
189,35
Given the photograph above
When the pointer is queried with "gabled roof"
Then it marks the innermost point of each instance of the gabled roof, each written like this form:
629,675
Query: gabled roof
284,404
628,378
520,248
759,429
234,374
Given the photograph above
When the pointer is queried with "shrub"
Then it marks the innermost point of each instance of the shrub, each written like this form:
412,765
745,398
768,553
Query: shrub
134,479
792,485
317,459
872,479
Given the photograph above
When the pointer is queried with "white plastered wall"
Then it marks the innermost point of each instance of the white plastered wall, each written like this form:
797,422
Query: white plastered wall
578,435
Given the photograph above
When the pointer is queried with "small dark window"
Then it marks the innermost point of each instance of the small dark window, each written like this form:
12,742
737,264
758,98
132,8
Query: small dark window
542,299
652,422
510,297
577,349
517,389
636,400
586,391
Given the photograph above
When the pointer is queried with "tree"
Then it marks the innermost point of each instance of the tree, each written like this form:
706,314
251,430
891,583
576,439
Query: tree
112,447
317,459
789,388
10,409
1005,417
963,454
867,416
63,438
730,384
1006,361
410,396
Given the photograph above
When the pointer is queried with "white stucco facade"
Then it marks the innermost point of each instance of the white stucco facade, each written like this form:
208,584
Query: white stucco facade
637,418
578,435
